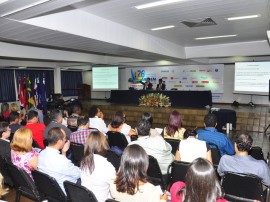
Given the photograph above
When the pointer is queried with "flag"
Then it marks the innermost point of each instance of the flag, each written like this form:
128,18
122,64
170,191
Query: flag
23,92
36,90
42,100
30,94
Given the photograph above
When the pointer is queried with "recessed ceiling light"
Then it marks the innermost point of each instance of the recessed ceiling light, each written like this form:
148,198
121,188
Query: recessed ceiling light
165,27
22,67
243,17
214,37
157,3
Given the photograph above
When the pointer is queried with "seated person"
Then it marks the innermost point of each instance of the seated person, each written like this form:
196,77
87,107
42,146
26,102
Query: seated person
97,173
118,125
131,183
14,121
241,162
147,85
4,141
57,118
155,146
160,85
15,108
76,112
148,117
191,148
22,153
80,136
5,111
173,129
201,184
96,119
211,135
53,163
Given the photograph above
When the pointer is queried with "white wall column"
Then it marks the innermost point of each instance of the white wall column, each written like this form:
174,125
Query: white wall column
57,80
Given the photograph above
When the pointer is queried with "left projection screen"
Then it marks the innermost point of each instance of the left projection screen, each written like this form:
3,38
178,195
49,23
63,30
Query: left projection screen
105,78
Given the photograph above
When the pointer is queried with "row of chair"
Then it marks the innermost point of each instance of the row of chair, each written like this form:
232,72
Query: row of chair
44,187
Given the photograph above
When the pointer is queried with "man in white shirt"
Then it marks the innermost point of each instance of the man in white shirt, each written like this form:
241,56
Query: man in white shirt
51,162
96,119
155,146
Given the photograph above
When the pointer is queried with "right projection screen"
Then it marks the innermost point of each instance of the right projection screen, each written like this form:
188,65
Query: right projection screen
252,78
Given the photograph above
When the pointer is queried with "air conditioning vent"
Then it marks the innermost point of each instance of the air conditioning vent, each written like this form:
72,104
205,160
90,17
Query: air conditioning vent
205,22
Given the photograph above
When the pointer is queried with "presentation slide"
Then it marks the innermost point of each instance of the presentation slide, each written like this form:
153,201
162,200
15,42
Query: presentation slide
105,78
252,78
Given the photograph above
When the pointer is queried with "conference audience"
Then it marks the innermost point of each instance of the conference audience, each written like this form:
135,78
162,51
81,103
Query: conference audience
241,162
4,141
22,153
56,121
15,108
36,127
201,184
160,85
53,163
131,183
80,136
118,125
211,135
96,172
191,148
96,119
173,129
148,117
14,121
155,146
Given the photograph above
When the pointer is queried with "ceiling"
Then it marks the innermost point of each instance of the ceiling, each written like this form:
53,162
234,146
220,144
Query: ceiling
41,26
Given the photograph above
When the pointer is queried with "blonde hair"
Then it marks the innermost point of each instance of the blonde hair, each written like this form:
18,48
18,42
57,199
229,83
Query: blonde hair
22,140
3,191
13,107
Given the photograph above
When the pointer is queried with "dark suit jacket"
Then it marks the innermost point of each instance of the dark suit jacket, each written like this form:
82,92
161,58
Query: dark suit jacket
5,149
163,86
148,87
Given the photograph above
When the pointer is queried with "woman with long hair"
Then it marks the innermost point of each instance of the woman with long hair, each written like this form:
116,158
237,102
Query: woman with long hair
174,128
96,172
201,184
22,153
131,182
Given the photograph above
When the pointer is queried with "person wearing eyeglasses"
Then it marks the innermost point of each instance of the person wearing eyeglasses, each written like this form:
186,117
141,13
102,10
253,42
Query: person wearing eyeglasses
4,141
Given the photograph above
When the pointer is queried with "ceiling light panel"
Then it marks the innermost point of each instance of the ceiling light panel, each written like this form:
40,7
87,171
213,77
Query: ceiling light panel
157,3
165,27
215,37
243,17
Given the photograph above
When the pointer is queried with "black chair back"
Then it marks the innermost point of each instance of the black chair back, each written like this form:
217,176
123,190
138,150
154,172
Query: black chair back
176,172
111,200
215,153
174,143
48,187
242,187
77,153
23,184
154,173
4,172
35,144
117,139
256,153
114,159
78,193
45,142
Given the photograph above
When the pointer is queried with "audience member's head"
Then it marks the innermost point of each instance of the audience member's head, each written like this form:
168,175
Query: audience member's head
189,132
14,107
22,140
148,117
95,111
118,119
210,120
143,127
133,169
201,182
83,122
56,137
4,107
57,115
76,109
4,130
174,122
96,143
32,116
14,117
243,142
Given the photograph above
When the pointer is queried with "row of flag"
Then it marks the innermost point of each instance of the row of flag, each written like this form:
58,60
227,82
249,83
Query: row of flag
35,97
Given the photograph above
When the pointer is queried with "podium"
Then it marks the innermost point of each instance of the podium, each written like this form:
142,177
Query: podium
84,92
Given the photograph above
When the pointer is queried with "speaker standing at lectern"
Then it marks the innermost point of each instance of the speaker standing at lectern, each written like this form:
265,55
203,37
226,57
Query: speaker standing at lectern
161,85
147,85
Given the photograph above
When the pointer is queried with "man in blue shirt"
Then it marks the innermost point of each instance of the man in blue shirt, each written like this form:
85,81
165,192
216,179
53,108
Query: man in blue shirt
211,135
241,162
51,162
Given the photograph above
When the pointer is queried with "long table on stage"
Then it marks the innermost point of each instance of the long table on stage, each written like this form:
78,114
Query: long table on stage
194,99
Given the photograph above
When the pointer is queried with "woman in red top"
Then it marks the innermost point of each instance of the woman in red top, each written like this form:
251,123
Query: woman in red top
201,184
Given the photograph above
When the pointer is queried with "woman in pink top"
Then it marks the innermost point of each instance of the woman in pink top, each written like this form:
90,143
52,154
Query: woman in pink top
201,184
22,154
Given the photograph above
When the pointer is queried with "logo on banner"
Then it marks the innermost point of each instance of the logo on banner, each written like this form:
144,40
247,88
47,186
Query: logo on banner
139,76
